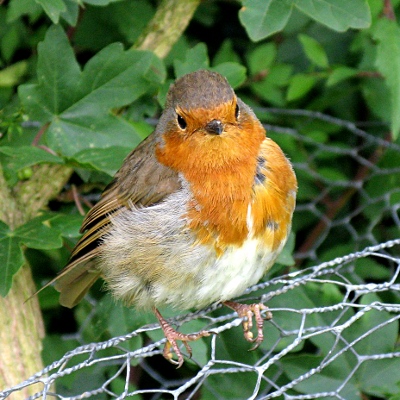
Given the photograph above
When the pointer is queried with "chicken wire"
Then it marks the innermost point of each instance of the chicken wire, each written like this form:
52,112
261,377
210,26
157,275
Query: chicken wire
340,336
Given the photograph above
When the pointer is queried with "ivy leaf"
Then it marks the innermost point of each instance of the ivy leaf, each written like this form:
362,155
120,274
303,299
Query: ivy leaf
71,12
53,8
107,160
338,15
26,156
77,104
67,9
43,232
262,18
17,8
11,258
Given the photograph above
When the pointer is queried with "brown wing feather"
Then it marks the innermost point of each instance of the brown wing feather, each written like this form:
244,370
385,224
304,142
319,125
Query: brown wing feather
141,181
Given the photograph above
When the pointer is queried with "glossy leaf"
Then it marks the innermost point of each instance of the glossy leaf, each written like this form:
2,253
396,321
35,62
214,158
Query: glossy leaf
43,232
339,15
53,8
26,156
77,104
262,18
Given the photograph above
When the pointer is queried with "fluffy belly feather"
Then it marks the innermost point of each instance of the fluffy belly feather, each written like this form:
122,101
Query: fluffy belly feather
160,262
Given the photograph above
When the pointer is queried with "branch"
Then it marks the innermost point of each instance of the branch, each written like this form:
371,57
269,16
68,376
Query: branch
170,20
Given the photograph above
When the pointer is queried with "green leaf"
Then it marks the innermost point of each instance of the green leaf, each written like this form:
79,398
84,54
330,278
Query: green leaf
11,258
229,386
26,156
71,12
382,340
233,72
300,85
38,234
270,87
378,97
340,74
67,226
108,160
314,51
57,71
262,57
226,53
380,377
329,379
77,104
387,34
53,8
262,18
333,174
17,8
43,232
122,20
196,58
100,2
12,75
338,15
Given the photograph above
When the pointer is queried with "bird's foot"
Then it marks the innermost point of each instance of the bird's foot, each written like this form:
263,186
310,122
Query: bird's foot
248,311
172,336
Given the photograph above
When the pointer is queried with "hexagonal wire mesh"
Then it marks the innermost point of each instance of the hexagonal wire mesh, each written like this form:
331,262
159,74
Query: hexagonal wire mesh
335,320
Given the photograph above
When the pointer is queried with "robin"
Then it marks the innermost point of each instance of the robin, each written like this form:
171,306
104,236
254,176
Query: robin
197,213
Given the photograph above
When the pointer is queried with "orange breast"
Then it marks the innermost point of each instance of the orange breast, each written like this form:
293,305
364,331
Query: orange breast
221,173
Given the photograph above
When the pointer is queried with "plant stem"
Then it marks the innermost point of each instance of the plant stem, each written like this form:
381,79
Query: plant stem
170,20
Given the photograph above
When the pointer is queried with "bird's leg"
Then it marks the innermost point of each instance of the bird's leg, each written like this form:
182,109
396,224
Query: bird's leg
248,310
172,336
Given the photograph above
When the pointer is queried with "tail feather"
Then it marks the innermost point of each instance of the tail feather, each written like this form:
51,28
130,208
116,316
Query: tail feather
73,288
74,281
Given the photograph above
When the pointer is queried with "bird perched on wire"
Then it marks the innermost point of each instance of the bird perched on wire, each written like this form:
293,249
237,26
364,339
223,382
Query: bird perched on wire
198,212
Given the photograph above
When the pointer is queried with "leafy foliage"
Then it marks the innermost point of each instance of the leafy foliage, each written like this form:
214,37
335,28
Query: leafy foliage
74,92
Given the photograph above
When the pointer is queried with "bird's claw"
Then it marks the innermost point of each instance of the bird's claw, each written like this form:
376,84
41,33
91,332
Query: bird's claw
247,311
172,336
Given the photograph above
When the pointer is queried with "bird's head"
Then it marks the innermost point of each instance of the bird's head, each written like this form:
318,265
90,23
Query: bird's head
204,124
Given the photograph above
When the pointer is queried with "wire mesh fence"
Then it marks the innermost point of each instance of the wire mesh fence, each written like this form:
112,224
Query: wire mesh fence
335,327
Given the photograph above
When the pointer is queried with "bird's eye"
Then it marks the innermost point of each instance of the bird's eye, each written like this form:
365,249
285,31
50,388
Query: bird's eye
181,122
237,111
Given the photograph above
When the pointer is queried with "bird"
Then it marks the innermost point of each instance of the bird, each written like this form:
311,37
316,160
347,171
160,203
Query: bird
198,212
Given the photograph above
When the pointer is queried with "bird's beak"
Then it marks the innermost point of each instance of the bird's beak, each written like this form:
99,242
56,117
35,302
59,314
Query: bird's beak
215,127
